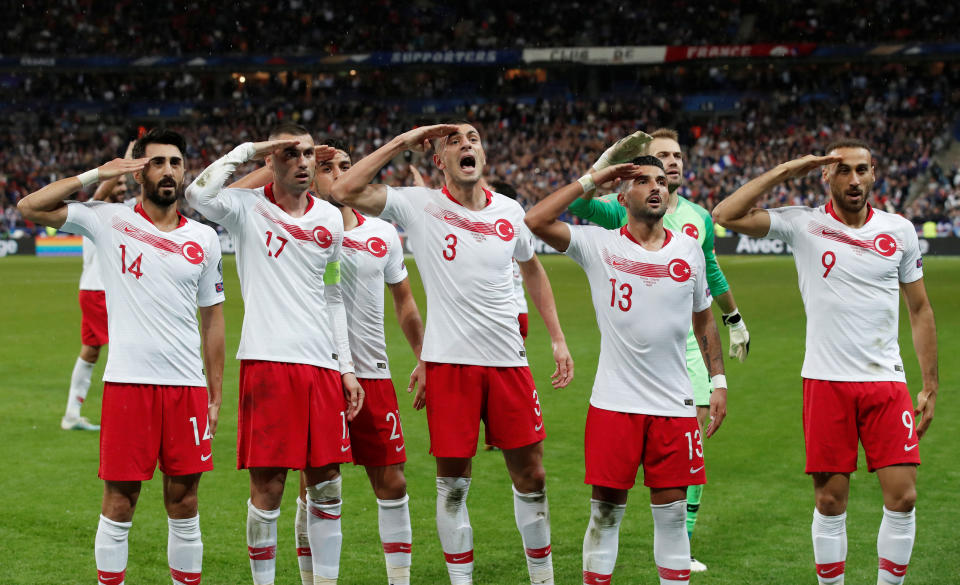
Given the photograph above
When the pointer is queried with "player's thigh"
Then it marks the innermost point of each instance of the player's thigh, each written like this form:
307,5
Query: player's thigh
829,426
673,454
885,424
376,435
131,427
273,414
512,414
455,400
329,440
613,448
186,443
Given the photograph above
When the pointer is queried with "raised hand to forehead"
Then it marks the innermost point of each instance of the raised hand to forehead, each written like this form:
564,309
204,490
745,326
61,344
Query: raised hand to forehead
419,139
801,166
121,166
266,147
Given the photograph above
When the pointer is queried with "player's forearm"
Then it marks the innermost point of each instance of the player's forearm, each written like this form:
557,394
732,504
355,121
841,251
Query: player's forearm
214,344
353,187
337,314
541,295
254,180
546,212
204,191
725,301
408,315
708,337
924,333
41,205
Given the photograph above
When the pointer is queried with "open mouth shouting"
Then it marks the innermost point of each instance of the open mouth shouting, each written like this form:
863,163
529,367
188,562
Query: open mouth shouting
302,177
468,163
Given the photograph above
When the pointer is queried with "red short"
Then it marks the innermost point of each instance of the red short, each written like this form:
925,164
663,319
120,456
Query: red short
141,423
460,396
376,436
616,444
524,321
291,416
835,414
93,318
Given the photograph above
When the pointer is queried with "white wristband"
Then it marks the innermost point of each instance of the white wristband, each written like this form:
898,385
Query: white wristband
89,177
718,381
587,183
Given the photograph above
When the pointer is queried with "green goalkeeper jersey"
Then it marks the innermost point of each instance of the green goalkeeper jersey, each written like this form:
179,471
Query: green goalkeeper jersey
688,218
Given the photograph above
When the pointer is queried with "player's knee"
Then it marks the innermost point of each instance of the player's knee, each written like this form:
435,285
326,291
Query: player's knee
326,492
391,485
453,491
184,506
533,479
830,504
903,501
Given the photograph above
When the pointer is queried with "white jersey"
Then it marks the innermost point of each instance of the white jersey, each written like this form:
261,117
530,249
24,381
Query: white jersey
519,296
464,258
282,262
89,274
849,280
372,254
644,301
154,283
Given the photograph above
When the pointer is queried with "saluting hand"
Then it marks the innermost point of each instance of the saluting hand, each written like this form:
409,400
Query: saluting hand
266,147
120,166
419,139
799,167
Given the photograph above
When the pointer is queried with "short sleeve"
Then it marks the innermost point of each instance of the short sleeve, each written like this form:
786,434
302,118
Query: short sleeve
85,219
210,290
784,222
226,208
523,250
701,292
911,263
399,208
395,271
578,249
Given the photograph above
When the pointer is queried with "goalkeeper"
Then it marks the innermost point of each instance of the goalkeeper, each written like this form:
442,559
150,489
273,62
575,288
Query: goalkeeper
694,221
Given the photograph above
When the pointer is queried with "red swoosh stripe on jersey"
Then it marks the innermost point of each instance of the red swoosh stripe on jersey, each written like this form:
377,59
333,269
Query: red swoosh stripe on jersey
673,574
892,567
397,547
296,231
348,243
644,269
823,231
184,577
457,220
162,244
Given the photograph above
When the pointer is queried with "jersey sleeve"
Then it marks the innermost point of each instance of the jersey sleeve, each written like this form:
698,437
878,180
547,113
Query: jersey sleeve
207,195
911,263
85,219
715,278
603,211
579,248
400,207
784,222
523,251
395,270
210,290
701,291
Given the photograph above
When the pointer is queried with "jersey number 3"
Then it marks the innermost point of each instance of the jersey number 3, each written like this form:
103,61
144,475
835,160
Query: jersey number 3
450,252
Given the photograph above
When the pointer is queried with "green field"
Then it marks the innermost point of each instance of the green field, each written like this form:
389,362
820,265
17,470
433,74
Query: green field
754,525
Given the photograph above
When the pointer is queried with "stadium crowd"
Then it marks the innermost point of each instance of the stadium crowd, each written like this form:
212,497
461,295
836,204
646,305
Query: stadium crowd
86,27
537,144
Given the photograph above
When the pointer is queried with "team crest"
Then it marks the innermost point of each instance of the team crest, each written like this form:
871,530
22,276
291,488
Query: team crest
691,230
322,236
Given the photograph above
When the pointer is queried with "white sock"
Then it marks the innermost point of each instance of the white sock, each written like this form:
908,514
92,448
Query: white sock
601,541
262,543
110,549
533,520
323,529
894,545
304,558
79,386
829,546
671,546
453,525
184,550
396,535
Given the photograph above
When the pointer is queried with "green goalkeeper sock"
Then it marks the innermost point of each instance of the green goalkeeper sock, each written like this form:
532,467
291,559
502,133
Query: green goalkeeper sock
693,507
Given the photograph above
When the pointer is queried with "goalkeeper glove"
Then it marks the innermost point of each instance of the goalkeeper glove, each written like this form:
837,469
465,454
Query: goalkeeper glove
624,150
739,336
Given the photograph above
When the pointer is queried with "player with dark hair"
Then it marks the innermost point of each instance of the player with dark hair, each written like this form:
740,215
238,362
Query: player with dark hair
690,219
463,238
372,255
158,268
641,410
298,391
852,261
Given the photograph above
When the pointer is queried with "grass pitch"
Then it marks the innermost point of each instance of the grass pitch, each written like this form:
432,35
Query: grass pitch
754,525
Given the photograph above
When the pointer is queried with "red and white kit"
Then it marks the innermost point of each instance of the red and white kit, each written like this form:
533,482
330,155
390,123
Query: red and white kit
93,302
465,259
156,280
372,254
850,284
289,276
642,367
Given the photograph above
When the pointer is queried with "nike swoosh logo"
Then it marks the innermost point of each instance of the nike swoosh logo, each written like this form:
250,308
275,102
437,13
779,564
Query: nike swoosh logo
344,449
898,572
194,580
400,448
207,456
129,230
459,559
108,579
694,470
826,573
827,232
538,427
911,448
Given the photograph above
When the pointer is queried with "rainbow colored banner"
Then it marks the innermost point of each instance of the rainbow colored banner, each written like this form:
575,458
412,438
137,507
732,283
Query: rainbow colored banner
59,246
